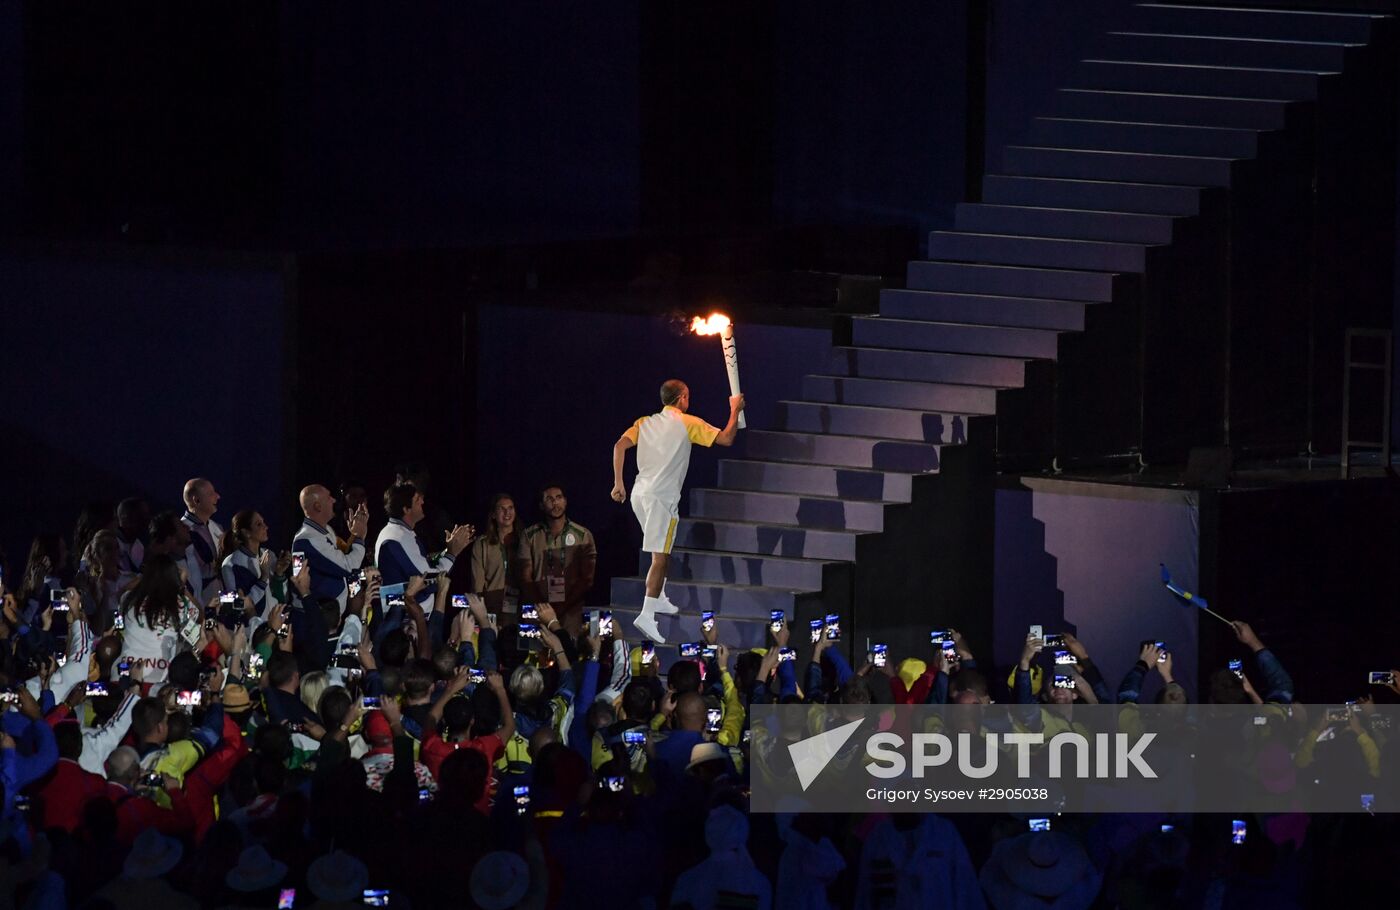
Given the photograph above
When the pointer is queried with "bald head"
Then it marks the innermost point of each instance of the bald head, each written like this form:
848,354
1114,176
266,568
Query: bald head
201,498
690,712
317,504
541,738
123,765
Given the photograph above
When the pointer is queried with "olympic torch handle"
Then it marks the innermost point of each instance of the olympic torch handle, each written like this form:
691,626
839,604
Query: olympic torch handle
731,366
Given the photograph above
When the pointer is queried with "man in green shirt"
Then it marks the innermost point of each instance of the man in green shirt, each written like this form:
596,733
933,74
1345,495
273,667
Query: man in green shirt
558,559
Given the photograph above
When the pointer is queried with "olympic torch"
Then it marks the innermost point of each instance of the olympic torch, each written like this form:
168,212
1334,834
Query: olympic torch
719,324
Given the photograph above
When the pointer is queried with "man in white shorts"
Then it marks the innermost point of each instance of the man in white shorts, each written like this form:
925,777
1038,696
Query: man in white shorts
663,443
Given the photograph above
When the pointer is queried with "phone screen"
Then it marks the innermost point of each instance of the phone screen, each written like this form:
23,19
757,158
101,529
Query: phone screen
833,627
786,654
1237,831
1237,668
459,601
648,653
634,737
707,620
1063,658
1040,824
690,649
522,800
775,620
476,676
286,899
816,626
713,718
1064,682
878,655
605,624
1382,678
376,897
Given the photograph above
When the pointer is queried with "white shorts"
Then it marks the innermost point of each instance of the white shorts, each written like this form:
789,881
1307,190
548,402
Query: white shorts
658,518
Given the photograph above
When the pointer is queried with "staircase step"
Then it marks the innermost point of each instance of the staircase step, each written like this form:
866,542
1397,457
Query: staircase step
1163,138
777,540
816,480
962,369
849,451
1011,280
742,569
1033,161
1158,107
887,393
1159,47
1196,79
738,633
983,309
885,423
788,509
1238,22
1123,227
733,601
906,334
1051,252
1096,195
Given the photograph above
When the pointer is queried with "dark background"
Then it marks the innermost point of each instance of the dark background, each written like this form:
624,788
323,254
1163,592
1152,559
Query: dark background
275,243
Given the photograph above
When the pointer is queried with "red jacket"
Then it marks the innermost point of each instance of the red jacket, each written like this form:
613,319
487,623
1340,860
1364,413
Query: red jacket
136,813
61,795
434,751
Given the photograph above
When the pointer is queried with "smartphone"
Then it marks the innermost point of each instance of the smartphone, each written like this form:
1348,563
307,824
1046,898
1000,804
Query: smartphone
459,602
529,613
255,663
713,718
1338,715
707,620
9,697
376,897
938,636
369,702
425,795
605,624
228,599
709,652
354,587
124,667
1064,659
636,736
591,622
529,632
294,728
1237,668
1037,632
189,698
648,653
1062,681
816,627
1381,678
950,650
833,627
878,655
1167,829
615,784
152,779
1054,640
776,618
96,688
690,650
119,622
61,659
286,899
522,799
786,654
298,563
1039,824
1161,646
1237,831
476,676
1368,801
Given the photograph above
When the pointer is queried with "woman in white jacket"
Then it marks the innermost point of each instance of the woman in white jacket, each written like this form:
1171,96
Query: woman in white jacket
161,619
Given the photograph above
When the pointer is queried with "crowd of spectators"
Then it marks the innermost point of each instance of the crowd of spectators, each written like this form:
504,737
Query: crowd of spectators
196,718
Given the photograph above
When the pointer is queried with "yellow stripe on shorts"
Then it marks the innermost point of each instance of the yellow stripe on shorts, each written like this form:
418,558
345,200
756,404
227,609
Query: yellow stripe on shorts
670,536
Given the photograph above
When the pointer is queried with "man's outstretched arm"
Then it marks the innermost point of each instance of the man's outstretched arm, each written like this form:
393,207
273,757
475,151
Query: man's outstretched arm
731,430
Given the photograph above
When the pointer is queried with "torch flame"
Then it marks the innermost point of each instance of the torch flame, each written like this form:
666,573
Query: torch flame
716,323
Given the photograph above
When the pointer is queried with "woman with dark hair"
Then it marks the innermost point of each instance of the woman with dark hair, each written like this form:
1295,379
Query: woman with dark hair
495,570
246,566
43,572
160,618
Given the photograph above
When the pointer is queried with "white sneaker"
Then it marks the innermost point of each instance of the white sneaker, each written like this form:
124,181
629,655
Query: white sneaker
647,626
665,606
